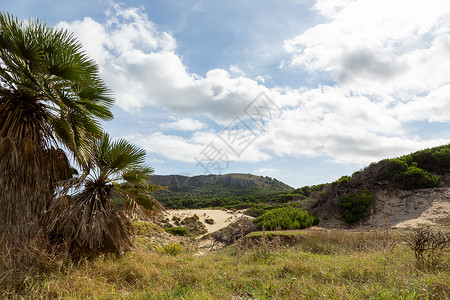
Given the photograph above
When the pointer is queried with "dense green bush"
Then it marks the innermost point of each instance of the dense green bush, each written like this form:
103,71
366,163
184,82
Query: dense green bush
307,190
416,178
180,201
255,211
260,209
343,179
288,217
177,231
406,173
436,160
354,207
283,198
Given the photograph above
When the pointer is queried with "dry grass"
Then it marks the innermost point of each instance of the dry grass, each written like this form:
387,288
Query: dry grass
326,265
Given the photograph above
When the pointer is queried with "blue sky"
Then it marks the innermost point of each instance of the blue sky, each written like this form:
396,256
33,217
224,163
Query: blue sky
303,91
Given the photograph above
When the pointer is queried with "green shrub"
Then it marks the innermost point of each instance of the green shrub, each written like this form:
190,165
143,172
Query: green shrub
177,231
436,160
305,191
343,179
354,207
416,178
406,173
318,187
260,209
283,198
286,218
255,211
170,249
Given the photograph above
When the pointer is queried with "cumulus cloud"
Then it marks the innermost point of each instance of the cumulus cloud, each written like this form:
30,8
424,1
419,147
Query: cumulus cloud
169,146
200,148
434,107
388,59
141,65
185,125
378,46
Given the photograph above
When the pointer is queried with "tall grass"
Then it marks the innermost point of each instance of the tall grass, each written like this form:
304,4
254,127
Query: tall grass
324,265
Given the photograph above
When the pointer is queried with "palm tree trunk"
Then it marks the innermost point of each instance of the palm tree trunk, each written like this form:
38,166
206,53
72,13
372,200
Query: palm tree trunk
25,189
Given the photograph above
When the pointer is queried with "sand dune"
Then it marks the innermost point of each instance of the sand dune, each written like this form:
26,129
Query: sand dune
222,218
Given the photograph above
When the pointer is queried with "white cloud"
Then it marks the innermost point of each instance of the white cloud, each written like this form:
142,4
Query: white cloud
434,107
346,127
185,125
236,70
202,146
378,47
267,172
389,59
169,146
141,65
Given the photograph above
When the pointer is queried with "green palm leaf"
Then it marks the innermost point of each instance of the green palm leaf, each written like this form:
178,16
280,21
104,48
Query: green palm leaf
90,225
51,97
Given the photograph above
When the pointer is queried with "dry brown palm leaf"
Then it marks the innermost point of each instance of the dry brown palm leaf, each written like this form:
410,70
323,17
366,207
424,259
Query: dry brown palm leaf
88,225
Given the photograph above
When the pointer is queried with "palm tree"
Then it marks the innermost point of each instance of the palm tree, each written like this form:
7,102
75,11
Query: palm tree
51,98
89,224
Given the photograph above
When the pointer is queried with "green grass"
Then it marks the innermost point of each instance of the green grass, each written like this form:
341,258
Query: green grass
326,265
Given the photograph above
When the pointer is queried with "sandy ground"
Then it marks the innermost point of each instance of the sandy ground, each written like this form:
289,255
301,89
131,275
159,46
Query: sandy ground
222,218
411,209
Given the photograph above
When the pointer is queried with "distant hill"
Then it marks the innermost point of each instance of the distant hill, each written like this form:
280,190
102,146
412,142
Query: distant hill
234,182
188,189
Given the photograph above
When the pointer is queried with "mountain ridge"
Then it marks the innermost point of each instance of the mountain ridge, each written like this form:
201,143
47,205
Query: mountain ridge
180,187
239,180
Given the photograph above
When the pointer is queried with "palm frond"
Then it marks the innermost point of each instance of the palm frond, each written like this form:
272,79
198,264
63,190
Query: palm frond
51,97
88,225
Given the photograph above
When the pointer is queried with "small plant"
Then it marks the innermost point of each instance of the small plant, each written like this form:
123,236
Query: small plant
209,221
170,249
194,226
180,231
428,246
354,207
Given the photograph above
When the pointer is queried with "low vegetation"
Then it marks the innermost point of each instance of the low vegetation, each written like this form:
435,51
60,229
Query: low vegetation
324,265
429,246
288,217
259,209
354,207
181,231
408,176
170,249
